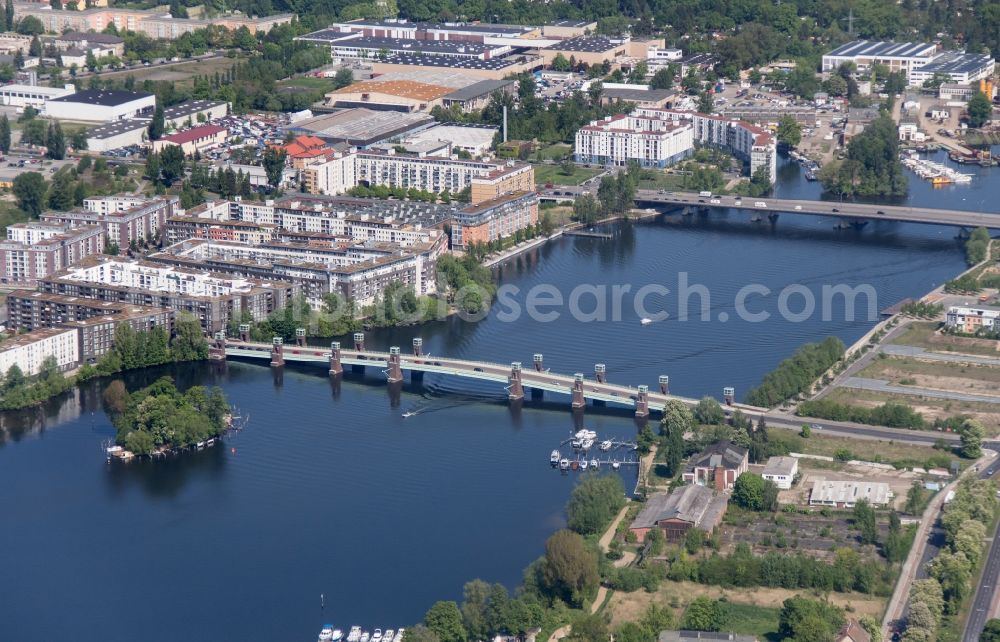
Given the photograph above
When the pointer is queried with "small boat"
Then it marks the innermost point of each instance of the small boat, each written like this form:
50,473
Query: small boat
574,465
583,464
576,443
616,465
364,636
338,635
200,445
354,634
587,444
555,457
645,321
387,636
326,633
563,464
594,463
399,635
606,445
376,636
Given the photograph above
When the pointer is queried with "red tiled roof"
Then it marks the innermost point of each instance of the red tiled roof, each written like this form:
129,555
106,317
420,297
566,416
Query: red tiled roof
194,134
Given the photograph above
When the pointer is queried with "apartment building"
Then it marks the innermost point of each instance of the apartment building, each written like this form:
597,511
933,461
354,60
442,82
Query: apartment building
37,249
123,219
29,351
971,320
621,139
493,219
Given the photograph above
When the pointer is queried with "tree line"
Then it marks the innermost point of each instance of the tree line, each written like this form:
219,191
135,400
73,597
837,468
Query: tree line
796,374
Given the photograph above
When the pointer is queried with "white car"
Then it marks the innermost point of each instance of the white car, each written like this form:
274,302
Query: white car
714,201
798,207
760,204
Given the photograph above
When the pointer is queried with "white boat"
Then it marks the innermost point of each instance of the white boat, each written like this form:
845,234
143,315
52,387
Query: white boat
594,463
645,321
326,633
399,635
616,465
364,636
606,445
587,444
377,636
555,457
576,443
563,464
338,635
387,636
354,634
583,464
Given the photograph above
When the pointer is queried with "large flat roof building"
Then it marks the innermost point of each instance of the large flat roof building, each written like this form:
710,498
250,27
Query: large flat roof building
389,95
592,50
31,95
679,511
918,61
100,105
959,66
845,494
399,28
360,127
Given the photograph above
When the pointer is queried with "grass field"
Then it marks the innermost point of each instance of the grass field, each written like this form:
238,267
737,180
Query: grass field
827,445
930,408
179,74
555,151
923,334
553,174
960,377
662,180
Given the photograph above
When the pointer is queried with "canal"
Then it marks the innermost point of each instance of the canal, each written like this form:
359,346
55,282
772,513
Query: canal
331,491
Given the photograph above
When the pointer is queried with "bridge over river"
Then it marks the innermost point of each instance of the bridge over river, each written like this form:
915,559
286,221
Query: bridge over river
848,211
512,377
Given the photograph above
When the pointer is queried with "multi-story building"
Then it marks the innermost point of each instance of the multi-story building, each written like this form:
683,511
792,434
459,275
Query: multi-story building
31,95
746,141
621,139
153,23
29,351
972,320
493,219
124,219
37,249
917,61
719,466
196,139
504,178
330,174
211,298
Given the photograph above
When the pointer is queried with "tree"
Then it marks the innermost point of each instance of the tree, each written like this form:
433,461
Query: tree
29,189
274,166
560,63
586,209
152,167
156,126
420,633
29,25
594,502
445,620
569,569
589,627
971,435
789,132
55,142
704,614
116,396
8,16
189,343
171,164
4,134
705,103
980,109
594,92
805,432
864,520
753,492
475,596
343,78
991,632
805,620
663,78
639,72
708,411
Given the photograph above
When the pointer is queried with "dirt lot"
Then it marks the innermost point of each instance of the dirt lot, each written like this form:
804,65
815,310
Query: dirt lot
828,445
956,377
925,335
178,73
899,481
628,607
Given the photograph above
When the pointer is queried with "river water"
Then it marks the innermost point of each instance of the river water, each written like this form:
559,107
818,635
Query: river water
331,491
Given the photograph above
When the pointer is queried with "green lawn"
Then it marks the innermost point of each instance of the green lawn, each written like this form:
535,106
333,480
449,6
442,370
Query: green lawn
553,174
747,619
555,151
655,179
308,82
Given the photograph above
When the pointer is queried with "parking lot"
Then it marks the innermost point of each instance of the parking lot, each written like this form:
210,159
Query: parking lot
14,164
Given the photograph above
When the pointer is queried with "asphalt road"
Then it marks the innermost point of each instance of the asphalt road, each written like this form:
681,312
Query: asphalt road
921,353
878,385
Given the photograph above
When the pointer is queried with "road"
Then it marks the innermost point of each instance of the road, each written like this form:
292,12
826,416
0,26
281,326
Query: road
762,205
878,385
985,602
916,352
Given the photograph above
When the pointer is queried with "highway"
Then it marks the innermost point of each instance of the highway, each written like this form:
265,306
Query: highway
764,206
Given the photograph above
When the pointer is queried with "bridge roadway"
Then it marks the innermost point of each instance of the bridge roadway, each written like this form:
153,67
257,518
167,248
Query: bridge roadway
483,370
931,216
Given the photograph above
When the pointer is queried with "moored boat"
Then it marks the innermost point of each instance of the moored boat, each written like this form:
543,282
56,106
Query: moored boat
326,633
583,464
377,636
563,464
555,457
354,634
606,445
616,465
399,635
594,463
645,321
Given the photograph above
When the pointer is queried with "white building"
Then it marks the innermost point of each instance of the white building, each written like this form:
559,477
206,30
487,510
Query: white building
649,140
29,351
100,105
960,67
781,471
845,494
971,320
476,140
897,56
31,96
658,56
330,175
118,134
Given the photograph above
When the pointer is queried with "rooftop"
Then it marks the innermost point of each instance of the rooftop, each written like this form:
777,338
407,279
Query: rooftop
398,88
189,107
574,24
781,466
104,97
453,62
722,453
957,62
593,44
654,95
361,126
117,127
692,503
506,30
849,492
193,134
880,49
481,88
28,338
99,38
336,38
685,636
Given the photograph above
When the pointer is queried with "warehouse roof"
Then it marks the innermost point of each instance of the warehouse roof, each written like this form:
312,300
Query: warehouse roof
481,88
103,97
190,107
454,62
956,62
593,44
655,95
193,134
116,128
361,126
399,88
693,503
867,48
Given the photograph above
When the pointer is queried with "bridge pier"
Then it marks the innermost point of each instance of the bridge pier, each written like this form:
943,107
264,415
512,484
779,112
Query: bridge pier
335,382
277,352
395,371
217,351
729,394
642,402
395,390
336,368
537,394
579,401
601,372
772,216
418,347
858,223
300,337
539,365
244,332
515,391
359,341
664,385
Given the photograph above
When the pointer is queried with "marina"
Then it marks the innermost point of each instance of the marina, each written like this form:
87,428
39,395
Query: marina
936,173
356,634
582,442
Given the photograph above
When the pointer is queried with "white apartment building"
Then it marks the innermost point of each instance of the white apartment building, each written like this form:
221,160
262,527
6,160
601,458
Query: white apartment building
37,249
971,320
649,140
28,351
331,176
431,174
157,278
